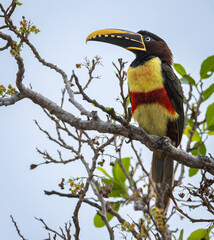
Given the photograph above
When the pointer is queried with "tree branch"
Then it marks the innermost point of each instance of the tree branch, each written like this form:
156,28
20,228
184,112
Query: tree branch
85,200
152,142
11,100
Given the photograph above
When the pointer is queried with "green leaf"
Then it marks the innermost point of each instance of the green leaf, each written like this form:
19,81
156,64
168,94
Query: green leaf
193,172
210,117
200,150
207,67
211,133
118,190
184,80
118,172
98,222
181,235
200,234
189,79
208,92
196,137
190,122
194,152
18,3
179,69
174,237
104,172
128,101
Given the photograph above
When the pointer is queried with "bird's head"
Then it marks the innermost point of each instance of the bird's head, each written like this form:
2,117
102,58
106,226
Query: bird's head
142,43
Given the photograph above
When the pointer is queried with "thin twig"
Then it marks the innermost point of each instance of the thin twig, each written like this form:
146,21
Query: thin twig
49,229
17,229
186,215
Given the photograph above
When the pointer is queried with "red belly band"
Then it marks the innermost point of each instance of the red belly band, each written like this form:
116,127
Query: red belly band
158,96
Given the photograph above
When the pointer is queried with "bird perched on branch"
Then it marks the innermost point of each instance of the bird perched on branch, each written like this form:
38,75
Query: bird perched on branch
156,97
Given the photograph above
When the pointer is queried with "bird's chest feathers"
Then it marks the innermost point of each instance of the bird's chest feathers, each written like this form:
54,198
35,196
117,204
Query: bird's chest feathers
151,106
146,77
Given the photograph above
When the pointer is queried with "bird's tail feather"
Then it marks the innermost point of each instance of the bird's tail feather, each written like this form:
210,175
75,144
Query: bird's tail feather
162,179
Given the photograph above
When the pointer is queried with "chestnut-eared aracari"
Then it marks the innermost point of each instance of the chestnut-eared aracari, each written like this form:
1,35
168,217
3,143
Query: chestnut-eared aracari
156,97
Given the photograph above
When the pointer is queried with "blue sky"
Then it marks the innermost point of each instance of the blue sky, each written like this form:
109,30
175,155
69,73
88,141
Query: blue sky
187,27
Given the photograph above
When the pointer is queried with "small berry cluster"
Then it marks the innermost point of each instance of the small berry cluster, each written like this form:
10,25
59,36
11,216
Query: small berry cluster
7,92
101,163
106,190
127,226
206,188
15,50
76,185
159,217
26,28
205,192
144,226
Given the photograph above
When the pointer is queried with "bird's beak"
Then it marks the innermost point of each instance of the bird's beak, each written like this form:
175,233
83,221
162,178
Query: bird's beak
126,39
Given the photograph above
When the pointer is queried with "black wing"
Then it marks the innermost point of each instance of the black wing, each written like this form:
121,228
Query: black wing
175,92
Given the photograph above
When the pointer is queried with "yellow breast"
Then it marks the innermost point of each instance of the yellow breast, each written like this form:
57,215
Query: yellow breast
146,77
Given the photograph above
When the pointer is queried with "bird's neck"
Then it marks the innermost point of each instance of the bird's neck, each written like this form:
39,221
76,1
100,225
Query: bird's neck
141,60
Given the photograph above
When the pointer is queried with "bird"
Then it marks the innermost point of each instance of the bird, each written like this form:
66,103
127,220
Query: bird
156,97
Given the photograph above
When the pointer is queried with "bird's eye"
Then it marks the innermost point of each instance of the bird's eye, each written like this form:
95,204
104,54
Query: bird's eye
148,39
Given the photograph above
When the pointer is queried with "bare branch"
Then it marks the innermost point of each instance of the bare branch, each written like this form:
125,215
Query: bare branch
120,74
61,142
90,67
69,195
17,229
6,46
111,111
50,159
6,38
186,215
85,200
49,229
83,193
11,8
11,100
139,159
105,220
179,181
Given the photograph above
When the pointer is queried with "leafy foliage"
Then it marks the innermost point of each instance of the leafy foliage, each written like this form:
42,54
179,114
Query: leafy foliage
98,222
207,67
200,234
198,132
118,187
181,235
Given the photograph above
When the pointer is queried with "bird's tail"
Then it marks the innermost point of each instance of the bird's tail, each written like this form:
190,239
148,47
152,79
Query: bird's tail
162,179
